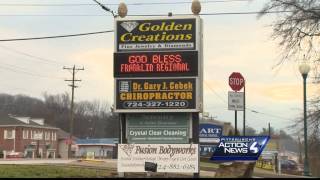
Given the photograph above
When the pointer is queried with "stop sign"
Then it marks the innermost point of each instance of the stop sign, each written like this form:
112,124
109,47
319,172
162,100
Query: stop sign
236,81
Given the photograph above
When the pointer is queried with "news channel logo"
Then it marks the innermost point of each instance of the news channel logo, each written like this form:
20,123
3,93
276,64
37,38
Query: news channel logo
242,148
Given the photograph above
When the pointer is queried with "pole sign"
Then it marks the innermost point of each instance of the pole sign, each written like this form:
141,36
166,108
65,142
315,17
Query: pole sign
167,157
158,128
209,137
156,64
235,101
209,133
156,34
242,148
148,95
236,81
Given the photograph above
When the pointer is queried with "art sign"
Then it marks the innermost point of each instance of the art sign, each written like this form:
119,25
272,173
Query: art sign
246,148
156,64
167,157
156,34
158,128
209,137
150,94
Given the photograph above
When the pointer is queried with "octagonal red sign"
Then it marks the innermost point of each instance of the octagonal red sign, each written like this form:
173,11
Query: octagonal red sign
236,81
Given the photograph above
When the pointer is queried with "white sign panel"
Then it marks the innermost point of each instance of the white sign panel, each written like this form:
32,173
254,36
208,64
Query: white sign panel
209,140
235,101
168,157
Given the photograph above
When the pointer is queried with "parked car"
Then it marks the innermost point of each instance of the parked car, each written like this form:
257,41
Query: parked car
289,165
14,155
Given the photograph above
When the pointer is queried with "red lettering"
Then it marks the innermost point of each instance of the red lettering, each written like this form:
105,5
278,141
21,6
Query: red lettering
166,58
138,59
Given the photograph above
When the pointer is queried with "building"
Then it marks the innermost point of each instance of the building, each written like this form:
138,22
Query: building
27,137
101,148
227,128
63,140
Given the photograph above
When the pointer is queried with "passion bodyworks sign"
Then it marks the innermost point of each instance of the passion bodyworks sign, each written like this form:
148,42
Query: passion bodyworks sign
156,34
167,157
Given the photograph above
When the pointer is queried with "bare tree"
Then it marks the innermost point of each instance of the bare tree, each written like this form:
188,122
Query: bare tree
297,27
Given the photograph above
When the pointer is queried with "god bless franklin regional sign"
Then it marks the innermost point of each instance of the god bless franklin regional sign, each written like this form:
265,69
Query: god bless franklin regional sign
156,34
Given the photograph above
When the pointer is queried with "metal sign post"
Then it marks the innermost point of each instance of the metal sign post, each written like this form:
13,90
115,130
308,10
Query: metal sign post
244,109
236,82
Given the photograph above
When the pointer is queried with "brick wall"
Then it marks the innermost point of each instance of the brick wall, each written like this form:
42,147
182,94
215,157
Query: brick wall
21,144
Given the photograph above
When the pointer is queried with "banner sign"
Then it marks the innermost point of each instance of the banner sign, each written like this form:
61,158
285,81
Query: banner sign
235,101
157,34
233,148
158,128
156,64
167,157
135,95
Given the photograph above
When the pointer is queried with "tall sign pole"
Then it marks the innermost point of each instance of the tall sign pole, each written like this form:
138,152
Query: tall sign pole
158,74
235,98
244,108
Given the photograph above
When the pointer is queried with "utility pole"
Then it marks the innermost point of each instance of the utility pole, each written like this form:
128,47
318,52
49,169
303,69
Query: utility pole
73,70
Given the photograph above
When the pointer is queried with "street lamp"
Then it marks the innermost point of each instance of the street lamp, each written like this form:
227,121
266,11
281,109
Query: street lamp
304,69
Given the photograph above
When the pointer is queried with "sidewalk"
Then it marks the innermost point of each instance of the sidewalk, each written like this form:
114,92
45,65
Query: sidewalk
265,173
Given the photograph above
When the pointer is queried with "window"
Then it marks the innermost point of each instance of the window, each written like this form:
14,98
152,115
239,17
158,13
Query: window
37,135
47,136
25,134
9,134
54,136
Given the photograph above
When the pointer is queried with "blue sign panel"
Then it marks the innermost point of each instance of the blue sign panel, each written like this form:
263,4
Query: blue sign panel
207,149
210,131
231,148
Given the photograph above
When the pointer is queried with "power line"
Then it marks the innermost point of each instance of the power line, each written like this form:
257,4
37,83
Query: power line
222,99
57,36
128,4
152,15
26,72
250,110
31,56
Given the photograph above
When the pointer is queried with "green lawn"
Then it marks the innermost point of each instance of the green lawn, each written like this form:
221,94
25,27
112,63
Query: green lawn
39,171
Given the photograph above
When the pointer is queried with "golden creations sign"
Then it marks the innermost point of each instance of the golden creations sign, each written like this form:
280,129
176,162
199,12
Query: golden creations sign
158,34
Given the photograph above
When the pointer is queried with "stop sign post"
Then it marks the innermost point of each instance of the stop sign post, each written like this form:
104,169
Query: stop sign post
236,81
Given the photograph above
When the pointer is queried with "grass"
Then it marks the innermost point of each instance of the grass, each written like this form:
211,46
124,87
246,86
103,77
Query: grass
49,171
209,165
52,171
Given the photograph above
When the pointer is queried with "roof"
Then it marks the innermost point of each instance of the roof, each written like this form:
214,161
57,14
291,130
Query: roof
10,120
64,135
102,141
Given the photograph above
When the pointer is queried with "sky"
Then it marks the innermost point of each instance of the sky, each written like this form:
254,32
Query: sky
232,43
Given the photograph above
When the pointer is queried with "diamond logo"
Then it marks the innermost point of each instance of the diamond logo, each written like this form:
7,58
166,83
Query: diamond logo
129,26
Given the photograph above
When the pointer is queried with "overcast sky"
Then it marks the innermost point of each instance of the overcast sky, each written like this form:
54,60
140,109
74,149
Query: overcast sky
232,43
